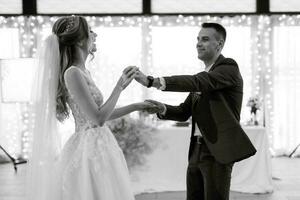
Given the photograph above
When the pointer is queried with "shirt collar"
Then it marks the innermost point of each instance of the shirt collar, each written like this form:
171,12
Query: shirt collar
208,68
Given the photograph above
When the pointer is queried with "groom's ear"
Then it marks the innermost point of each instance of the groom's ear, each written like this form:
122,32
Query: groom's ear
220,44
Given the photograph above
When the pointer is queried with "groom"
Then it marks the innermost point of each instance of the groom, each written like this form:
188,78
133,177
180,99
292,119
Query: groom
214,102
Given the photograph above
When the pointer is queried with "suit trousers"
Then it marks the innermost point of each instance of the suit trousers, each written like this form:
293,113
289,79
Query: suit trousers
207,179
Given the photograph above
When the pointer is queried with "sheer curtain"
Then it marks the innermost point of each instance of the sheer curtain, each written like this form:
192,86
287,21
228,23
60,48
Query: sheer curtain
265,48
9,40
286,75
158,45
10,112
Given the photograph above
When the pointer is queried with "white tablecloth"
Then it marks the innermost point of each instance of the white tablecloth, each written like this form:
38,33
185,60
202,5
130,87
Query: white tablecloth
165,169
254,175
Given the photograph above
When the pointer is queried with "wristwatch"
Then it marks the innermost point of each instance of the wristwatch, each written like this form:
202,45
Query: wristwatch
150,79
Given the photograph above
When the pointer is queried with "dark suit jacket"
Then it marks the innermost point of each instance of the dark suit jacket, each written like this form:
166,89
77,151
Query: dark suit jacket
216,111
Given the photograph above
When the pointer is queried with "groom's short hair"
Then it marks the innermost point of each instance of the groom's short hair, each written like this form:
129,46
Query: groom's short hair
218,27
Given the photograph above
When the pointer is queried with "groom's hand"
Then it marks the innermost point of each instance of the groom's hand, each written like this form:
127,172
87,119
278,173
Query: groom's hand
160,107
148,107
141,78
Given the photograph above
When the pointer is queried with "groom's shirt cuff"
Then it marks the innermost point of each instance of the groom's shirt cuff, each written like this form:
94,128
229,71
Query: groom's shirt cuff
161,114
162,83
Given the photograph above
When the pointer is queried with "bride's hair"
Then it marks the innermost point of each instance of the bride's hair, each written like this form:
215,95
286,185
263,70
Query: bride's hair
69,31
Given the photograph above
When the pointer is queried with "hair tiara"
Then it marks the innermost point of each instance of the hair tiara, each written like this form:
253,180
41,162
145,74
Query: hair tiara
70,23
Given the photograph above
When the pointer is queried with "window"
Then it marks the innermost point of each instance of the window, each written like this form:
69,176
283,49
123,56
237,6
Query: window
89,6
284,5
11,7
9,40
203,6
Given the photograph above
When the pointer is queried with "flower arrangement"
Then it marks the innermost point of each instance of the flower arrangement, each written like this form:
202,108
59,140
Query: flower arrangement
135,137
254,103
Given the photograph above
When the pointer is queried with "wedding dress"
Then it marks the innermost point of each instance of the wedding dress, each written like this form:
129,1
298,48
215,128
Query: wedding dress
91,165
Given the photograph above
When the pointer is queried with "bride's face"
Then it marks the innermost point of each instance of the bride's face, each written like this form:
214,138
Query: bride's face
92,41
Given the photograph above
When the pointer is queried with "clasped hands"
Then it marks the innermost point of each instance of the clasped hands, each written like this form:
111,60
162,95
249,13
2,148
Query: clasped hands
133,72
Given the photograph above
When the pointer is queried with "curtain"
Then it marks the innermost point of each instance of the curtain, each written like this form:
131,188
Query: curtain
286,75
265,48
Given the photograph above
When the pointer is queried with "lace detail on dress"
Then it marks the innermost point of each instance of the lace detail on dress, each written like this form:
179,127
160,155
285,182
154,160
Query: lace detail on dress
89,138
81,121
92,165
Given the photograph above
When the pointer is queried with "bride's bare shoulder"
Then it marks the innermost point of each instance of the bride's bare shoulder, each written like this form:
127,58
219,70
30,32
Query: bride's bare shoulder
73,74
72,69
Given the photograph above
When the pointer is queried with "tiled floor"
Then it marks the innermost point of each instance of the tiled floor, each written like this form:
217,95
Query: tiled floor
286,175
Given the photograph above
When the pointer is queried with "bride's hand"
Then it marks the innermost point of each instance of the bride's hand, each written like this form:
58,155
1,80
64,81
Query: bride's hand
148,107
159,107
127,76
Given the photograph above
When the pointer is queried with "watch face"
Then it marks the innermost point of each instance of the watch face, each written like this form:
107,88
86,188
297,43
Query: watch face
151,79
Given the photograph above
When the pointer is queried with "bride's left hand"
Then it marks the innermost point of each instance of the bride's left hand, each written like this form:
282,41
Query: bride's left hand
127,76
148,107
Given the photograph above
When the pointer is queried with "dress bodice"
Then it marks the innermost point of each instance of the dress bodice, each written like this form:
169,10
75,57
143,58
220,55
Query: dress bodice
81,120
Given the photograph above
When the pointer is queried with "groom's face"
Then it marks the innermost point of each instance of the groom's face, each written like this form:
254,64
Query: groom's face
208,44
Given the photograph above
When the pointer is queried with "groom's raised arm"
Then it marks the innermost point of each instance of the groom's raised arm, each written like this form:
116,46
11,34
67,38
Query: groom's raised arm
224,75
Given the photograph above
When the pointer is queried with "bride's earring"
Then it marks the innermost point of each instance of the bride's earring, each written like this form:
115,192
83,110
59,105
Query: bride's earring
80,44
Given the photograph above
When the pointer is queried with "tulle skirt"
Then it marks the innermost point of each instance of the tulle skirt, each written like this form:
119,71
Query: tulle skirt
92,167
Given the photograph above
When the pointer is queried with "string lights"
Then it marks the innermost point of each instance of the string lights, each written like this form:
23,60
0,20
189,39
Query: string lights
32,29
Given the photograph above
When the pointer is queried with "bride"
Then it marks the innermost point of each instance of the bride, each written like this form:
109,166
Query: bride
91,165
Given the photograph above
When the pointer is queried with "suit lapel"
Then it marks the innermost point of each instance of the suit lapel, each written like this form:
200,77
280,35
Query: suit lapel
196,97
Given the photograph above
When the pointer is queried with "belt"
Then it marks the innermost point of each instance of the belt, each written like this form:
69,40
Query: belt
199,139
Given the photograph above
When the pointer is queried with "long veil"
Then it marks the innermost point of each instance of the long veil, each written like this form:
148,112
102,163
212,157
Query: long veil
41,173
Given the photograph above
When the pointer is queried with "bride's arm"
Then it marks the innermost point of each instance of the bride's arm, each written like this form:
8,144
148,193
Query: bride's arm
78,88
119,112
141,106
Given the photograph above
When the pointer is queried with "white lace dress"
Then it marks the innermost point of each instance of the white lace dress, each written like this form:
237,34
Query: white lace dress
92,165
